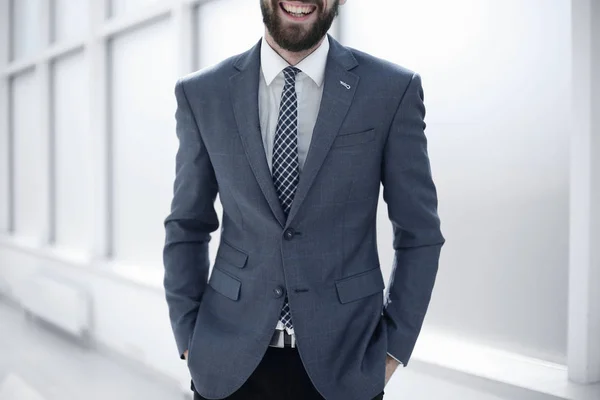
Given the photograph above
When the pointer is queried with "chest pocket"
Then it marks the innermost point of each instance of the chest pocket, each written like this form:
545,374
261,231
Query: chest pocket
353,138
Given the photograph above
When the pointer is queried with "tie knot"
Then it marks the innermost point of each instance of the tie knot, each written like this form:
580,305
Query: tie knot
289,74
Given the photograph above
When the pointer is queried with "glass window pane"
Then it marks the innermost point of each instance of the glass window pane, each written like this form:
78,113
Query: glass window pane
71,19
222,33
72,153
29,170
5,151
120,7
25,28
144,140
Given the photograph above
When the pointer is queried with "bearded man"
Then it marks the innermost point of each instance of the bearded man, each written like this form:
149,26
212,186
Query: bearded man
297,136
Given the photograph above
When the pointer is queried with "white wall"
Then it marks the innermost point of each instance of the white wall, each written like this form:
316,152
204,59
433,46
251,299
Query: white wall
4,122
584,265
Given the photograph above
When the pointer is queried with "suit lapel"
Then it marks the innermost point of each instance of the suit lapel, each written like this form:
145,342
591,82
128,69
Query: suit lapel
338,91
243,88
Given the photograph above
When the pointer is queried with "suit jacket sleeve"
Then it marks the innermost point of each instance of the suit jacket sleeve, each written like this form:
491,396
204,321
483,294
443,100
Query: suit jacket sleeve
411,198
189,225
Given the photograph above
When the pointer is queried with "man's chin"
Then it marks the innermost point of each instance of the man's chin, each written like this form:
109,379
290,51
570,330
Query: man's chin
294,31
292,40
294,47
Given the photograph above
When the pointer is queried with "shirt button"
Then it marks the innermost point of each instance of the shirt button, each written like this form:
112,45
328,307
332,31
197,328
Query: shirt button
289,234
278,291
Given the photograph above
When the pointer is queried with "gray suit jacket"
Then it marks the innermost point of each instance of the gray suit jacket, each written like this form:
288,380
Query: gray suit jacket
370,130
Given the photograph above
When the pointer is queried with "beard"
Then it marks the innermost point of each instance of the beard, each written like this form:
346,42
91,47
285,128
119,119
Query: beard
297,37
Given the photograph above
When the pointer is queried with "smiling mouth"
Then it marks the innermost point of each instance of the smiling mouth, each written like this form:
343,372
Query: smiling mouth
297,10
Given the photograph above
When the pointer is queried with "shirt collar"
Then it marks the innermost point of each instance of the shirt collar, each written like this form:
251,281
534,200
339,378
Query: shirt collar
313,65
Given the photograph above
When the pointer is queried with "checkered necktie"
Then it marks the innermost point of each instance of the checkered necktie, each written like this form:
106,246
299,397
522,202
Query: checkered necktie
285,157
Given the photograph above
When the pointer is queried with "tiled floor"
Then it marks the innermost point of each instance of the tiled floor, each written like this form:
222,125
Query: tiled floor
37,364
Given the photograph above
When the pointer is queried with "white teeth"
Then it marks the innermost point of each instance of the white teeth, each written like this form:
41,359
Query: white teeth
297,9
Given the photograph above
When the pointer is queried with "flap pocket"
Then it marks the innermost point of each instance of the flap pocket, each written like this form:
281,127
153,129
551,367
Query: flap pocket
225,284
233,256
360,285
348,139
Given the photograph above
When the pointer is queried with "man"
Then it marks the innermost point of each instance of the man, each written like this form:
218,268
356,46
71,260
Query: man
295,135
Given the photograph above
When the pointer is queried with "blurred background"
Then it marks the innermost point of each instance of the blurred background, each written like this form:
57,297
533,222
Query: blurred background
87,146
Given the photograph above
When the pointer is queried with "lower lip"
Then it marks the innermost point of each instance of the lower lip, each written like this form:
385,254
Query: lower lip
293,18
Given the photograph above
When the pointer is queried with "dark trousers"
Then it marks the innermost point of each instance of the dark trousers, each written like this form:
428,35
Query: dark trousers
280,375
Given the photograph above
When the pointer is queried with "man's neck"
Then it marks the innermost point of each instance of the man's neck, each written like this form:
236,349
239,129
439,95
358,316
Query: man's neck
291,57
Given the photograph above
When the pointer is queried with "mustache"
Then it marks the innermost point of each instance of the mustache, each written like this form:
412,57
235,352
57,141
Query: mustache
318,3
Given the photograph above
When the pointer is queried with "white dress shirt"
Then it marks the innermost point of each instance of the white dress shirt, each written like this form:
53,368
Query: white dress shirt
309,90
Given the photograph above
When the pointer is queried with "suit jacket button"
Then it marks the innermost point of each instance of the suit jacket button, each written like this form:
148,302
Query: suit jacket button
278,291
289,234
